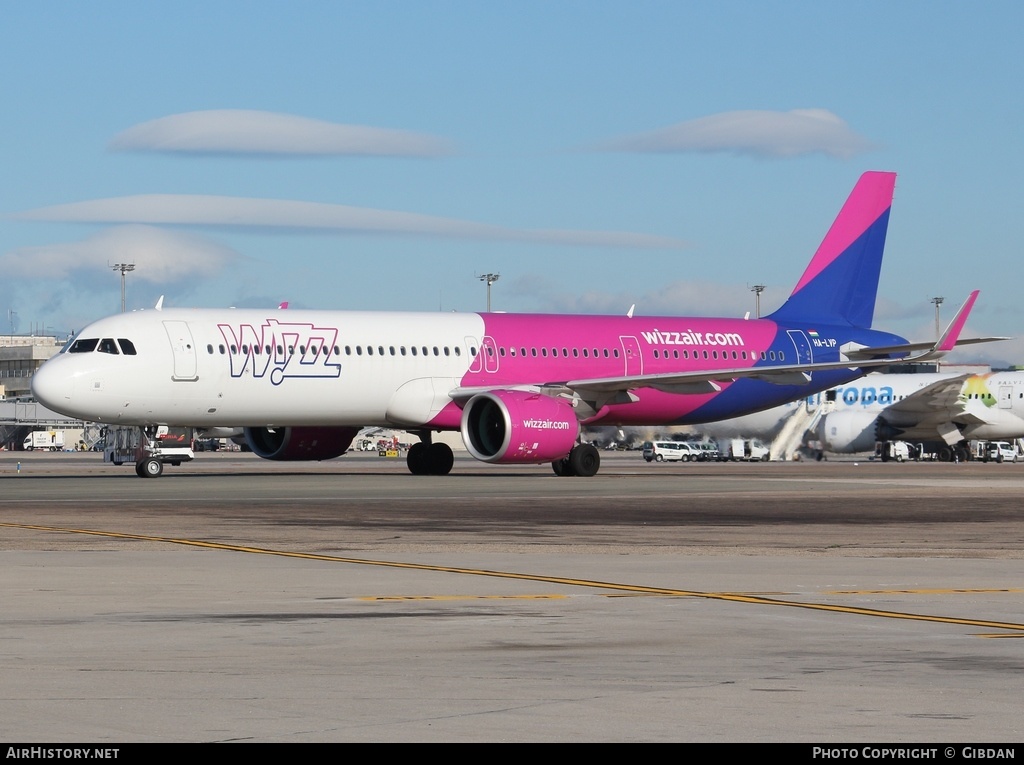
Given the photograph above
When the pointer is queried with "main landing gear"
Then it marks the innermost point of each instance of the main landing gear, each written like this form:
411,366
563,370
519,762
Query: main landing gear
584,461
426,458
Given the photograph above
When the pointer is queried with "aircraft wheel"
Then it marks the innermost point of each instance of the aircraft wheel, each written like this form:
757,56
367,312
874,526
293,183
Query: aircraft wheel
418,459
585,460
563,467
439,459
152,468
138,469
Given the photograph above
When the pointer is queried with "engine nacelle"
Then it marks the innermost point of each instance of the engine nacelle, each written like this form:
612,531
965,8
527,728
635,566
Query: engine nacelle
847,432
511,426
304,443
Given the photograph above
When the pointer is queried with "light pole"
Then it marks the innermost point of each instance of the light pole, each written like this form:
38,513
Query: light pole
490,279
757,289
938,327
123,268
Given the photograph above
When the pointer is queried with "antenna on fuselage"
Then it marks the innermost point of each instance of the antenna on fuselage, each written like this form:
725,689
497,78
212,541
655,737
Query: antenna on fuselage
160,303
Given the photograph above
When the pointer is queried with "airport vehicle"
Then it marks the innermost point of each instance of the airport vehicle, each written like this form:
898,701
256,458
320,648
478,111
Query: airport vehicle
150,447
708,451
300,384
1001,451
669,451
896,451
743,450
44,440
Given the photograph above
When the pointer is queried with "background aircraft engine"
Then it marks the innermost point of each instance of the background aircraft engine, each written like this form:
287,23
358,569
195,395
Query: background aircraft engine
510,426
846,432
303,443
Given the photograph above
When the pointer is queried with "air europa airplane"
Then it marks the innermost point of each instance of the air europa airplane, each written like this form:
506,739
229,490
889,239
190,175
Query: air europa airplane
299,384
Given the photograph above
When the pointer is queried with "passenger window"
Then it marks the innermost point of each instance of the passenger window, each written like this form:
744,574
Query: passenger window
83,346
107,345
128,347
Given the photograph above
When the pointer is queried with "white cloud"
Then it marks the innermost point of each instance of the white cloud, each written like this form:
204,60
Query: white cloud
240,212
241,131
160,256
758,133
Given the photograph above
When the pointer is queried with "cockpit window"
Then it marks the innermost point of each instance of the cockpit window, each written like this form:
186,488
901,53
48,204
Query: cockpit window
83,345
107,345
127,346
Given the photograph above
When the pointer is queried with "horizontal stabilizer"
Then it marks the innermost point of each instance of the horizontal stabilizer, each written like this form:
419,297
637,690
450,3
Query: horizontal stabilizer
946,342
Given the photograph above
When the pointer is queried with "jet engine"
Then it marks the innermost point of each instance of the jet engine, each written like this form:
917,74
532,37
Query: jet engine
303,443
848,432
510,426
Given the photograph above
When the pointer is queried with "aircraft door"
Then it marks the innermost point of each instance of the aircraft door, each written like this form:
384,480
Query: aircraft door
1006,397
634,361
184,351
489,355
801,345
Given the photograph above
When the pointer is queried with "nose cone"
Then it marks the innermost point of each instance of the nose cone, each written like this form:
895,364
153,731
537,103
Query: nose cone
52,385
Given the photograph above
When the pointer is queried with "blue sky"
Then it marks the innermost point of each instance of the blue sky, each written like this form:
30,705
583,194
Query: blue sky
596,155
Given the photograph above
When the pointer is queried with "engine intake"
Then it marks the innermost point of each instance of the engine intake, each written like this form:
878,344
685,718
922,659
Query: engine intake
303,443
510,426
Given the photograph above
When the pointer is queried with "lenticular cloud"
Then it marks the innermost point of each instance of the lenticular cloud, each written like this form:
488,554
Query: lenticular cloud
242,131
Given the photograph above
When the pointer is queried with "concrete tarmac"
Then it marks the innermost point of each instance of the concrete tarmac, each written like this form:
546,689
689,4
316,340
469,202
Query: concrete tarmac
236,599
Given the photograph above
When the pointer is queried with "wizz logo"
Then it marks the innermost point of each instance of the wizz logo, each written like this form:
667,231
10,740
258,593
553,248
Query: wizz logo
281,349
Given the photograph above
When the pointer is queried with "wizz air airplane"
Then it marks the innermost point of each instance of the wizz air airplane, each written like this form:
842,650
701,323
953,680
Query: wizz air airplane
299,384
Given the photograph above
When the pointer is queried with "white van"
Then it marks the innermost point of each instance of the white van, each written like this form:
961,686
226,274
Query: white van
1001,451
669,451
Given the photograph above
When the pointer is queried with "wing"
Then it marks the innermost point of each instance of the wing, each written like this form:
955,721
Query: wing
933,407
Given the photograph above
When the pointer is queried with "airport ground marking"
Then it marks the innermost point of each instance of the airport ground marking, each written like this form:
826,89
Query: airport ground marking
587,583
